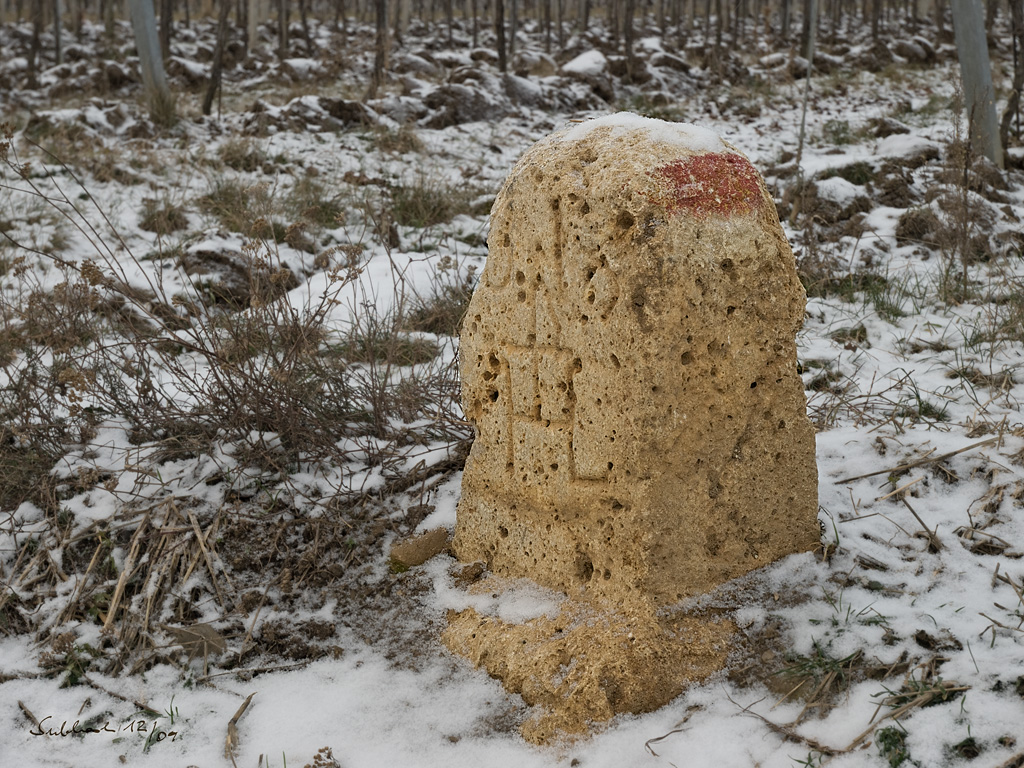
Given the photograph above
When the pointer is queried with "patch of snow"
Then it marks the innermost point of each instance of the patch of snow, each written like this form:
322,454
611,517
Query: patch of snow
511,600
685,135
193,70
589,63
838,190
446,499
773,60
905,145
301,68
650,44
15,64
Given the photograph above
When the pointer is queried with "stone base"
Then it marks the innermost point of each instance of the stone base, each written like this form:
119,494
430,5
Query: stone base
587,665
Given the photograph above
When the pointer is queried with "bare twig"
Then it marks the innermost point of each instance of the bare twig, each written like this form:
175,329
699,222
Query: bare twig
114,694
1000,624
677,729
1017,761
933,539
126,572
922,461
231,741
789,734
25,710
900,489
206,556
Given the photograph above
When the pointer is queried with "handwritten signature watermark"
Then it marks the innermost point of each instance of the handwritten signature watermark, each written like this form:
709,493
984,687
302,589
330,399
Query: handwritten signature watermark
149,727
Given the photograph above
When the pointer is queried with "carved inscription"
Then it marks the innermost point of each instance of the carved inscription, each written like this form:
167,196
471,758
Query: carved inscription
551,394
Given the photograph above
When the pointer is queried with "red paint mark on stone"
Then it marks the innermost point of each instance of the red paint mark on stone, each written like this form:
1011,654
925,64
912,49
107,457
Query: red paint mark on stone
717,182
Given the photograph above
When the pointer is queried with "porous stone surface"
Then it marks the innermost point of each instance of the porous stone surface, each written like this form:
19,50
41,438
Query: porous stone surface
590,662
629,363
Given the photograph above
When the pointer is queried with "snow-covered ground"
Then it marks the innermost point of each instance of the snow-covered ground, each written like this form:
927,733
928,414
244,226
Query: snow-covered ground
914,383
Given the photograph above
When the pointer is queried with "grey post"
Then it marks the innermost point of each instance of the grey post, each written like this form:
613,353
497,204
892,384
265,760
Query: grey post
150,57
976,71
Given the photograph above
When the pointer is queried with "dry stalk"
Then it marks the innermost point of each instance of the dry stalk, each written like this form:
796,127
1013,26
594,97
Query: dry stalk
206,556
940,688
126,572
56,569
787,732
231,741
114,694
789,693
926,459
33,564
816,699
901,489
678,729
934,544
1001,625
32,718
1017,588
252,624
241,672
919,701
69,609
1017,761
969,534
154,590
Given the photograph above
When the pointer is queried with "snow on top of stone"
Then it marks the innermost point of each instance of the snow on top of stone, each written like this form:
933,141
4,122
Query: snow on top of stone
650,44
15,64
96,118
302,66
905,145
838,190
685,135
216,243
589,63
192,68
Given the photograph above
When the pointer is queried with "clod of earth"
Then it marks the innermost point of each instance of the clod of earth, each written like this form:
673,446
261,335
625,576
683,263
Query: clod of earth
416,550
629,364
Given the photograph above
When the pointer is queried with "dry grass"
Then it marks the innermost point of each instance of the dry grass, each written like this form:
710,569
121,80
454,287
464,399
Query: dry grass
206,372
442,310
399,141
428,201
237,205
243,155
310,201
162,217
